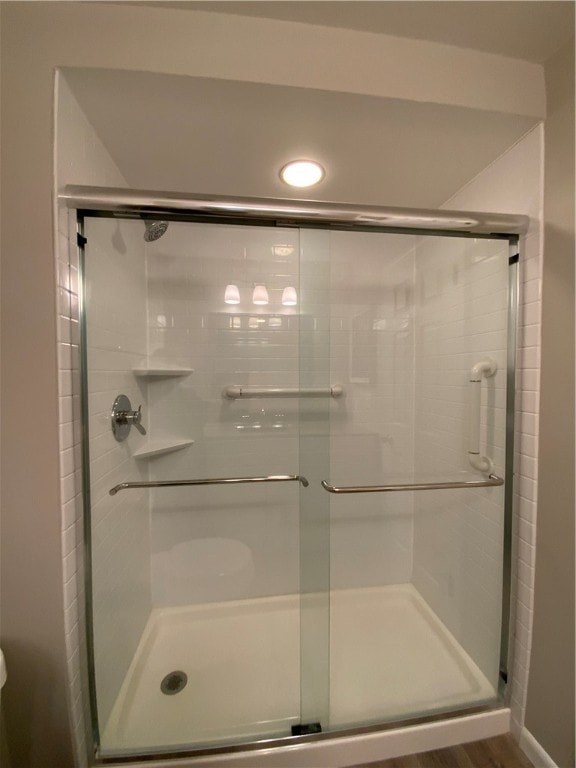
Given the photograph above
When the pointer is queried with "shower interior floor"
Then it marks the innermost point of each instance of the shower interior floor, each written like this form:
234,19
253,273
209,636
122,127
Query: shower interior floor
390,656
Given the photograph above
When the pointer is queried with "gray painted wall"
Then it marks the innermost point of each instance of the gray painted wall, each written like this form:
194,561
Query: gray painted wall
34,699
550,707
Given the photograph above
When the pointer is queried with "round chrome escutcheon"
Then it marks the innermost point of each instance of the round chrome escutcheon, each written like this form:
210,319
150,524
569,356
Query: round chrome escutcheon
120,426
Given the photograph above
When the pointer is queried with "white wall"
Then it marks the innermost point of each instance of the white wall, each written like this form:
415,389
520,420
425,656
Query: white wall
223,543
371,428
461,314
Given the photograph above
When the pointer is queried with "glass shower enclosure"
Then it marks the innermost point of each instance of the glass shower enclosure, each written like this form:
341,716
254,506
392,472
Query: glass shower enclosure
297,476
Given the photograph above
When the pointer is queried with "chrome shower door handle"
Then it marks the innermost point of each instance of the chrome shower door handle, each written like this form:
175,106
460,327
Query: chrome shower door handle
210,481
491,480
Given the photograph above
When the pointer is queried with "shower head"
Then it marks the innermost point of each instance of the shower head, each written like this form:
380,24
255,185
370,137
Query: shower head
154,230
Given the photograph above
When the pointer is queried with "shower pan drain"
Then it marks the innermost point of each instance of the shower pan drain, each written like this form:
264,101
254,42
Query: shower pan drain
174,682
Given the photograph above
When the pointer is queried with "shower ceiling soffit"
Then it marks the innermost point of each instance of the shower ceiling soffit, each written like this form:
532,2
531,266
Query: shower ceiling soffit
285,53
532,30
203,135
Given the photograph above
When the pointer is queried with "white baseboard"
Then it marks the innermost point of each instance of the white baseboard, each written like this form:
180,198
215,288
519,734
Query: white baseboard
534,751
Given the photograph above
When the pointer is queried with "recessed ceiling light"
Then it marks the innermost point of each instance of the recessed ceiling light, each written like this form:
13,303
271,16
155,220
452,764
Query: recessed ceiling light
302,173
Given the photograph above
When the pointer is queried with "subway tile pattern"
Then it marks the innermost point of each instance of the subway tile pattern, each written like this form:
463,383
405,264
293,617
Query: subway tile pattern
372,355
120,540
224,543
461,301
70,487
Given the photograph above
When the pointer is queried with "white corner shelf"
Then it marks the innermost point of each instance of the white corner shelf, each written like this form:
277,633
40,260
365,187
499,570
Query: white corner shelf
162,371
159,447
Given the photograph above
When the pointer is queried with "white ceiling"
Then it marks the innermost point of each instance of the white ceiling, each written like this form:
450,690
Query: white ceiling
531,30
221,137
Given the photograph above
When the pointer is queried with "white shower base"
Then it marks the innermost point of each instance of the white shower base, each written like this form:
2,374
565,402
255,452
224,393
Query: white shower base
389,656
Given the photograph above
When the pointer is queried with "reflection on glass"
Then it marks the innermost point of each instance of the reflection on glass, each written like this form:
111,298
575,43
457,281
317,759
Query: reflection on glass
284,606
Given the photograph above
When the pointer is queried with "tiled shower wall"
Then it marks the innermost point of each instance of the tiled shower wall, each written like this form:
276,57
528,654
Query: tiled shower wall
371,429
120,539
461,309
514,184
224,542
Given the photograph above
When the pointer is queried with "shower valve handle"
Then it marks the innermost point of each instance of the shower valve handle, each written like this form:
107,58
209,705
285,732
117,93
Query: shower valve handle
135,419
123,417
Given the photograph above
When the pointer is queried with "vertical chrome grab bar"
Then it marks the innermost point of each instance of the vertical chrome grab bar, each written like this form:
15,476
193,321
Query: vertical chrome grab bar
486,367
209,481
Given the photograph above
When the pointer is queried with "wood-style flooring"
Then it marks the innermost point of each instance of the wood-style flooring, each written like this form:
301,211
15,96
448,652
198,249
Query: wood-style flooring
497,752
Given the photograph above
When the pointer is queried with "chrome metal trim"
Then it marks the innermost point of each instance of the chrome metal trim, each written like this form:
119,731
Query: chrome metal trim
88,616
491,480
236,392
509,474
209,481
148,201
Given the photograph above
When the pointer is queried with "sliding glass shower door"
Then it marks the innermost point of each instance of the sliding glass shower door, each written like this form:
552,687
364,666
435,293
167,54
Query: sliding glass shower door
295,450
420,334
197,491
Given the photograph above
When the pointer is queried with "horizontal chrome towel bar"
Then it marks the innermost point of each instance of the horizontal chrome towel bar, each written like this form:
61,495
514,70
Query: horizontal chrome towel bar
491,480
209,481
235,392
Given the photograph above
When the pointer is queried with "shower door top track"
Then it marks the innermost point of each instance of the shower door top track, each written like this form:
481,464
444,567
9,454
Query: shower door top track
285,212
